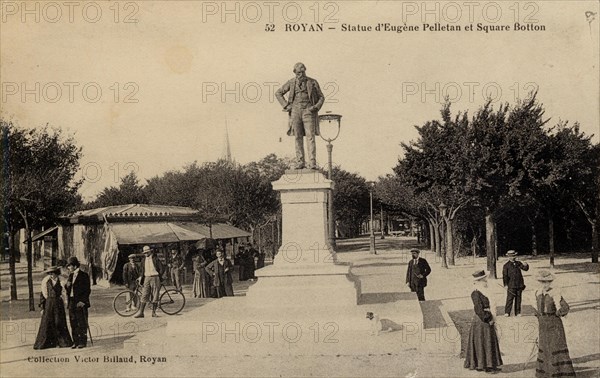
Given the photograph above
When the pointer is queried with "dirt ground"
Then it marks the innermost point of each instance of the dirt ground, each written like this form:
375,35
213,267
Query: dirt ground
355,354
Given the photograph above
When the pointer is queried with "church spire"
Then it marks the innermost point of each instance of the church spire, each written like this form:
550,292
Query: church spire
227,151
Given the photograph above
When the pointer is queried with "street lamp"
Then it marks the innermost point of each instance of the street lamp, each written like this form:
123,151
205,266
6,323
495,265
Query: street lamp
443,209
372,249
381,222
330,125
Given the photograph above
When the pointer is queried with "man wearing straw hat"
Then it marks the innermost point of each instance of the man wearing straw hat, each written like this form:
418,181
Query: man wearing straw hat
513,282
150,277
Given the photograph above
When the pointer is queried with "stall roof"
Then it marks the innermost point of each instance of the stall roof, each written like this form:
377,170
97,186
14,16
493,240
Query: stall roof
133,211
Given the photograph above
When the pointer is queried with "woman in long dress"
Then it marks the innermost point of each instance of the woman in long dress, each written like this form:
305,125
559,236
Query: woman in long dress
53,329
553,354
483,349
201,287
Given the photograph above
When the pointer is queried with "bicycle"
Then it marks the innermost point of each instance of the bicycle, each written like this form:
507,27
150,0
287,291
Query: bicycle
170,302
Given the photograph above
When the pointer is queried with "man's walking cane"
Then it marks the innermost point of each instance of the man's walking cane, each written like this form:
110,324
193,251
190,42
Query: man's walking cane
506,289
88,327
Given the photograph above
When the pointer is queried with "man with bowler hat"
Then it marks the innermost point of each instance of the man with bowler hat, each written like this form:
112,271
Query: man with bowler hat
513,282
416,274
78,294
152,271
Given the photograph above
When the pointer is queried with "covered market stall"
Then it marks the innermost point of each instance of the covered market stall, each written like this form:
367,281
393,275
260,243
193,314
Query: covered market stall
102,238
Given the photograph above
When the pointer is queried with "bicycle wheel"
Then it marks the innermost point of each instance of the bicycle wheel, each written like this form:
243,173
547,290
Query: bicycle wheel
125,303
171,302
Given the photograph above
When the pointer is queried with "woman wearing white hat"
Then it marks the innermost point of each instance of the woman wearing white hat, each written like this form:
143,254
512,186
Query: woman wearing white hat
53,329
553,354
483,349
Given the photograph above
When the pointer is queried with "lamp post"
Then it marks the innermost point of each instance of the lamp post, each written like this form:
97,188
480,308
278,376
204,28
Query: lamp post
381,222
443,209
372,249
330,125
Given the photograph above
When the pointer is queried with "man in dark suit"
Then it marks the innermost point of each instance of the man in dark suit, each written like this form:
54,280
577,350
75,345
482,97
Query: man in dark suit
304,101
220,271
78,294
416,275
513,282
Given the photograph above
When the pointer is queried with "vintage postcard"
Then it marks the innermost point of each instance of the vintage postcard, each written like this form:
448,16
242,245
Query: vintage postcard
300,188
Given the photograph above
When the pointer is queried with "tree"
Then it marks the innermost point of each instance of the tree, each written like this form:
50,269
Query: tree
506,150
271,167
350,201
220,191
399,196
174,187
435,166
39,166
574,175
128,192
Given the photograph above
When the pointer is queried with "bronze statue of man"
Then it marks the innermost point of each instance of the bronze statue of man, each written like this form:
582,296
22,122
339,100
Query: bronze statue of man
302,105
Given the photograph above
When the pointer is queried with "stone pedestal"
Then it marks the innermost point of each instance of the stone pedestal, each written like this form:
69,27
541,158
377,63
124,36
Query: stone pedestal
305,273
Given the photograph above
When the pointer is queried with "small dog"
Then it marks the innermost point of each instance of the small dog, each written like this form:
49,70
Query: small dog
376,326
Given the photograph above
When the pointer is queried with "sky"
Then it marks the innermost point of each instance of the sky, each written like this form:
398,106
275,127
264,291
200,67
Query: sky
151,86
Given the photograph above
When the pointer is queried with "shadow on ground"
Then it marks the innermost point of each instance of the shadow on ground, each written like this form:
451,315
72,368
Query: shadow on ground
531,364
375,298
462,320
578,267
432,314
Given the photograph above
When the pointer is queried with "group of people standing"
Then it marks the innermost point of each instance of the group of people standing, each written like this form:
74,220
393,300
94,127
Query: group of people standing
53,331
212,279
483,348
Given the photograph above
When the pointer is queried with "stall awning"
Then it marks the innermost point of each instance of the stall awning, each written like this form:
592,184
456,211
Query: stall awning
42,234
219,230
153,233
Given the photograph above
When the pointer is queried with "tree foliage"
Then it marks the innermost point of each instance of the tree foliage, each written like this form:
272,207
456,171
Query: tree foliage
129,191
350,201
271,167
220,191
499,161
38,170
